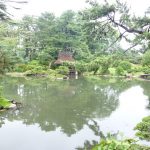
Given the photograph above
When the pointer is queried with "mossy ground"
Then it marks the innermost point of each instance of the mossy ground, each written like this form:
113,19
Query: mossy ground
4,103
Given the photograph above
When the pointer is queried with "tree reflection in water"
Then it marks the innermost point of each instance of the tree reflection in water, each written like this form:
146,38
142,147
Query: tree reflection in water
68,105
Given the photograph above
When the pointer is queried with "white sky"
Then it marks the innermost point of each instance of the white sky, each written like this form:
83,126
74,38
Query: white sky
36,7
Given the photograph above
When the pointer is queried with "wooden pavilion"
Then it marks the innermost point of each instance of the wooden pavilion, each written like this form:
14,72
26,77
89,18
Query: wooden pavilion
65,56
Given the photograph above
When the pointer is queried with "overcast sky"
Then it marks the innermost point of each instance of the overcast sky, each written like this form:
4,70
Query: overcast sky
36,7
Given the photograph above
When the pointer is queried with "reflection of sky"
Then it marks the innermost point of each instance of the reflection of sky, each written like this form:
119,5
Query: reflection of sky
17,136
20,90
132,108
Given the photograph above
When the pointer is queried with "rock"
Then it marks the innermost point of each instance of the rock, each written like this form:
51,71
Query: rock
13,106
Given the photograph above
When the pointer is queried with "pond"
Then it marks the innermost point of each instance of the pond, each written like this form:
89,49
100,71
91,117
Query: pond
64,114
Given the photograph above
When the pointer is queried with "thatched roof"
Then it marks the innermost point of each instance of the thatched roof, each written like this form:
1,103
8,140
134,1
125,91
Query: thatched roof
64,56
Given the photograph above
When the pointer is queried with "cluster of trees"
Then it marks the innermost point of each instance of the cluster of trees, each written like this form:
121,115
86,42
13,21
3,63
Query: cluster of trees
92,35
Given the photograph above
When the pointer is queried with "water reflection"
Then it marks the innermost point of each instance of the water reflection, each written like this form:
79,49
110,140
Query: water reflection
69,106
146,87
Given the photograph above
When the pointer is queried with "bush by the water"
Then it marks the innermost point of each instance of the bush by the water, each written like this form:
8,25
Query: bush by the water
146,70
63,70
112,144
120,71
143,129
125,65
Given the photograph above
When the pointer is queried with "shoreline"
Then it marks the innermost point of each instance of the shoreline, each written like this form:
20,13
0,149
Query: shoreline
18,74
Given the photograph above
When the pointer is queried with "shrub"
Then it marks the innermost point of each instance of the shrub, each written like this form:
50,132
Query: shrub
38,70
146,70
116,63
35,67
30,67
137,69
44,58
146,59
104,69
112,71
113,144
63,70
81,67
120,71
143,129
20,68
33,62
125,65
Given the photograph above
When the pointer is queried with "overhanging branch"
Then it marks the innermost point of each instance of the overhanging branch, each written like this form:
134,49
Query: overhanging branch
119,37
129,30
130,47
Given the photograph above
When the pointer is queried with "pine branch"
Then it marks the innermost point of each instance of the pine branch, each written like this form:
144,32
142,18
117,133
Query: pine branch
129,30
131,47
119,37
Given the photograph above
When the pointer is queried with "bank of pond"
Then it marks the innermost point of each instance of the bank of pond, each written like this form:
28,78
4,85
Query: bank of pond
66,69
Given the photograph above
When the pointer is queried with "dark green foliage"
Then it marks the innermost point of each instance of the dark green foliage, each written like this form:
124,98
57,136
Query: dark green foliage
33,68
146,70
81,67
100,64
94,66
138,69
20,68
63,70
123,68
146,59
143,129
120,71
44,58
125,65
8,46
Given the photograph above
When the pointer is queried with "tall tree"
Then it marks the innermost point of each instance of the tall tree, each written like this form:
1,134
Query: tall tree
104,18
46,34
28,40
69,29
8,46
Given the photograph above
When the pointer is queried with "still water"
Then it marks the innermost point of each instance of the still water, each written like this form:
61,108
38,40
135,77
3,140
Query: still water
64,114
